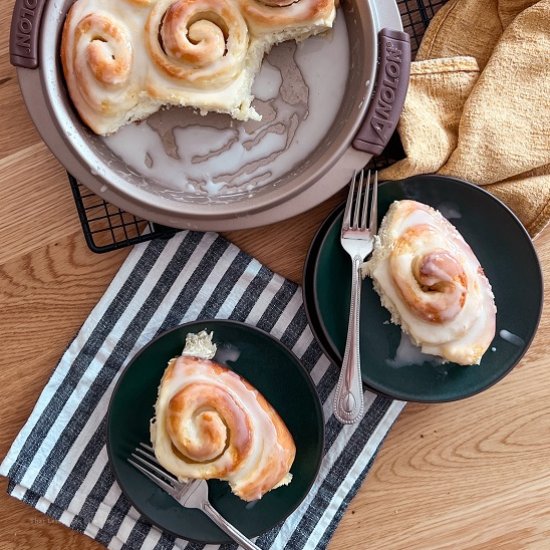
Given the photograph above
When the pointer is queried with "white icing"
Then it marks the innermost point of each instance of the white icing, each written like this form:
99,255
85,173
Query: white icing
227,352
219,79
408,354
512,338
267,83
449,210
466,331
265,445
217,156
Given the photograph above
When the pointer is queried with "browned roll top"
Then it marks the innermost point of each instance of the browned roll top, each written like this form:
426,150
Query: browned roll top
212,424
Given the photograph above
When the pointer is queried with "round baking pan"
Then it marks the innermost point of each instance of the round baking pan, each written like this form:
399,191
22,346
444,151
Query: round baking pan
379,54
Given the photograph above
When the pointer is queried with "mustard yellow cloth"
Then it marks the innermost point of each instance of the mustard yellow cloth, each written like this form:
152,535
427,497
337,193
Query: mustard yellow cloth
478,105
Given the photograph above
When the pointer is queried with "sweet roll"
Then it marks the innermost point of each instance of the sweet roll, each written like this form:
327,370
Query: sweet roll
278,20
98,62
199,42
212,424
125,59
430,280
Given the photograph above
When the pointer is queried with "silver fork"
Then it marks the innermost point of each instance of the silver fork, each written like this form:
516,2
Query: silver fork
190,495
357,239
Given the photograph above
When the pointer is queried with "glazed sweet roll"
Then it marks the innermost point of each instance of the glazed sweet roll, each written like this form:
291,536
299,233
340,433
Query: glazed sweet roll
124,59
212,424
278,20
201,56
198,42
98,60
430,280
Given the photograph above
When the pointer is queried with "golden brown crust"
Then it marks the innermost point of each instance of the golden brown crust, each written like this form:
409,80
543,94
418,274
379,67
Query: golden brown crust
271,475
212,424
203,42
97,59
124,59
220,421
436,285
432,283
276,15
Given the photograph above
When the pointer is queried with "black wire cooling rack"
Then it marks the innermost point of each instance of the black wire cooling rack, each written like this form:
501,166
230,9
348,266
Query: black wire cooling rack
106,227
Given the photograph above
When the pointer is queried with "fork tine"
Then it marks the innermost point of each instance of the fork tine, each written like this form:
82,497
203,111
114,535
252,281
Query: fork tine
358,201
161,483
159,471
373,221
365,203
347,211
167,477
148,451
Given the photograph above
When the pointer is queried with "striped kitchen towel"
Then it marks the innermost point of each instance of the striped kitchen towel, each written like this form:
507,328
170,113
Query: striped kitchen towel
58,462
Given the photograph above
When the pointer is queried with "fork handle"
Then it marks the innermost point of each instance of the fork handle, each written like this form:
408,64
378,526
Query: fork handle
348,399
225,526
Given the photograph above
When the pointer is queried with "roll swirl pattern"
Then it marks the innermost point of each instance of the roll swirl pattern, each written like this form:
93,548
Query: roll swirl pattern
212,424
200,42
125,59
432,283
97,58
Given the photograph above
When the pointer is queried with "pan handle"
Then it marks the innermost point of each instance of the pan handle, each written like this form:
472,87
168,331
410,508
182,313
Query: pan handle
24,32
392,81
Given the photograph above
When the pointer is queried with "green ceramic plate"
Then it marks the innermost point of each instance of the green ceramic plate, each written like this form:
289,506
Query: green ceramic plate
274,371
308,277
503,248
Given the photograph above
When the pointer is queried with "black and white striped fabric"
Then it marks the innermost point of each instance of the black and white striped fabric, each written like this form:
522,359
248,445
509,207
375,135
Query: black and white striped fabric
58,462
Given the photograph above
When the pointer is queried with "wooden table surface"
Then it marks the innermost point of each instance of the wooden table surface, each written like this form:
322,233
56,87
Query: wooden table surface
472,474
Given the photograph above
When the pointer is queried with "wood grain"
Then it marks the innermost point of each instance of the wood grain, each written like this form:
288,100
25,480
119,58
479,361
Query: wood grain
280,246
468,475
45,297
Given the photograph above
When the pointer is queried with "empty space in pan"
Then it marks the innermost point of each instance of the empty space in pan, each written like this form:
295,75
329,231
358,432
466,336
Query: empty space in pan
216,156
312,97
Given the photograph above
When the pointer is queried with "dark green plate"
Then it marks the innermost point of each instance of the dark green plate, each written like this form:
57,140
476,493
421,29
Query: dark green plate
317,328
503,248
275,372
